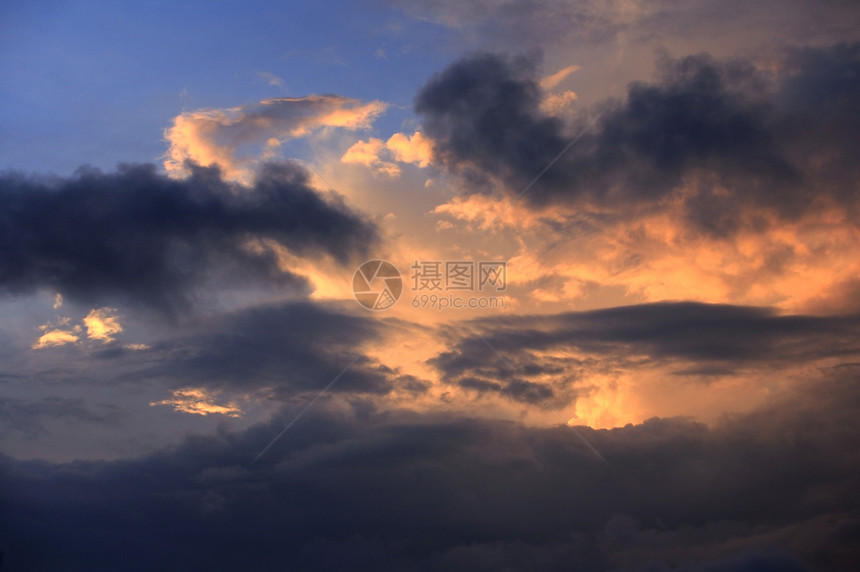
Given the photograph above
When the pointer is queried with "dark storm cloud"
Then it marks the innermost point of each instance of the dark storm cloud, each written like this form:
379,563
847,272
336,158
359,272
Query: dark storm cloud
139,235
28,417
369,490
290,347
738,140
500,354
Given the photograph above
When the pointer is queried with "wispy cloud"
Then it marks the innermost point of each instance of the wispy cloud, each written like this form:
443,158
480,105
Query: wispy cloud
221,137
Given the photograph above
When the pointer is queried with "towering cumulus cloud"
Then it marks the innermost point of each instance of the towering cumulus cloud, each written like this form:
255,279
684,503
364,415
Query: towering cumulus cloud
139,235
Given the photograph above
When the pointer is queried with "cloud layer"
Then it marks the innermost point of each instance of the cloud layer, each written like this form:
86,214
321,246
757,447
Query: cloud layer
537,359
367,491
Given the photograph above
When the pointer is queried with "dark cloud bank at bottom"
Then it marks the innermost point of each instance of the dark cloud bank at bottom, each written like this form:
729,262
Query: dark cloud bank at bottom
370,490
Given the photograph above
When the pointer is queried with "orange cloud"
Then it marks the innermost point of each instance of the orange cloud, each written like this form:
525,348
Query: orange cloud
552,80
590,258
102,325
382,157
220,137
198,401
57,337
554,103
417,148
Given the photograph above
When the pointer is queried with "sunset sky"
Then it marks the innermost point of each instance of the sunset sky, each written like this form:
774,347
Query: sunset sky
622,238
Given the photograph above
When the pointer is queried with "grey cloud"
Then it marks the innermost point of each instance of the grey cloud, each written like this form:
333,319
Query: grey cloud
500,354
138,235
738,141
292,347
288,348
27,417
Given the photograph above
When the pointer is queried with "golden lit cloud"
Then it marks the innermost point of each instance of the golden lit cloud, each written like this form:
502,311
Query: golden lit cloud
484,212
56,337
552,80
571,257
382,157
198,401
327,277
554,103
221,137
417,148
102,325
367,153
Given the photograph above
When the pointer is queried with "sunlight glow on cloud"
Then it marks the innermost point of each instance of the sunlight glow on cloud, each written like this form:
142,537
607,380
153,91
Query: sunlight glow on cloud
554,103
198,401
221,137
805,265
102,325
485,212
382,157
56,336
552,80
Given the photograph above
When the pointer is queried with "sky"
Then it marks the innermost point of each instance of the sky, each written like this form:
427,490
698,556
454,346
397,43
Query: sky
407,285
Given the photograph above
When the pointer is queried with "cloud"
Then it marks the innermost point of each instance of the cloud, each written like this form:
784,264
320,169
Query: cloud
555,103
722,182
30,417
281,349
367,153
102,324
139,236
222,137
415,148
57,337
198,401
719,139
552,80
382,157
621,27
403,491
270,78
560,358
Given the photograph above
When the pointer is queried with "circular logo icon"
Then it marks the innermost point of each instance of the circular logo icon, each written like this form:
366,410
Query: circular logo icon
377,285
